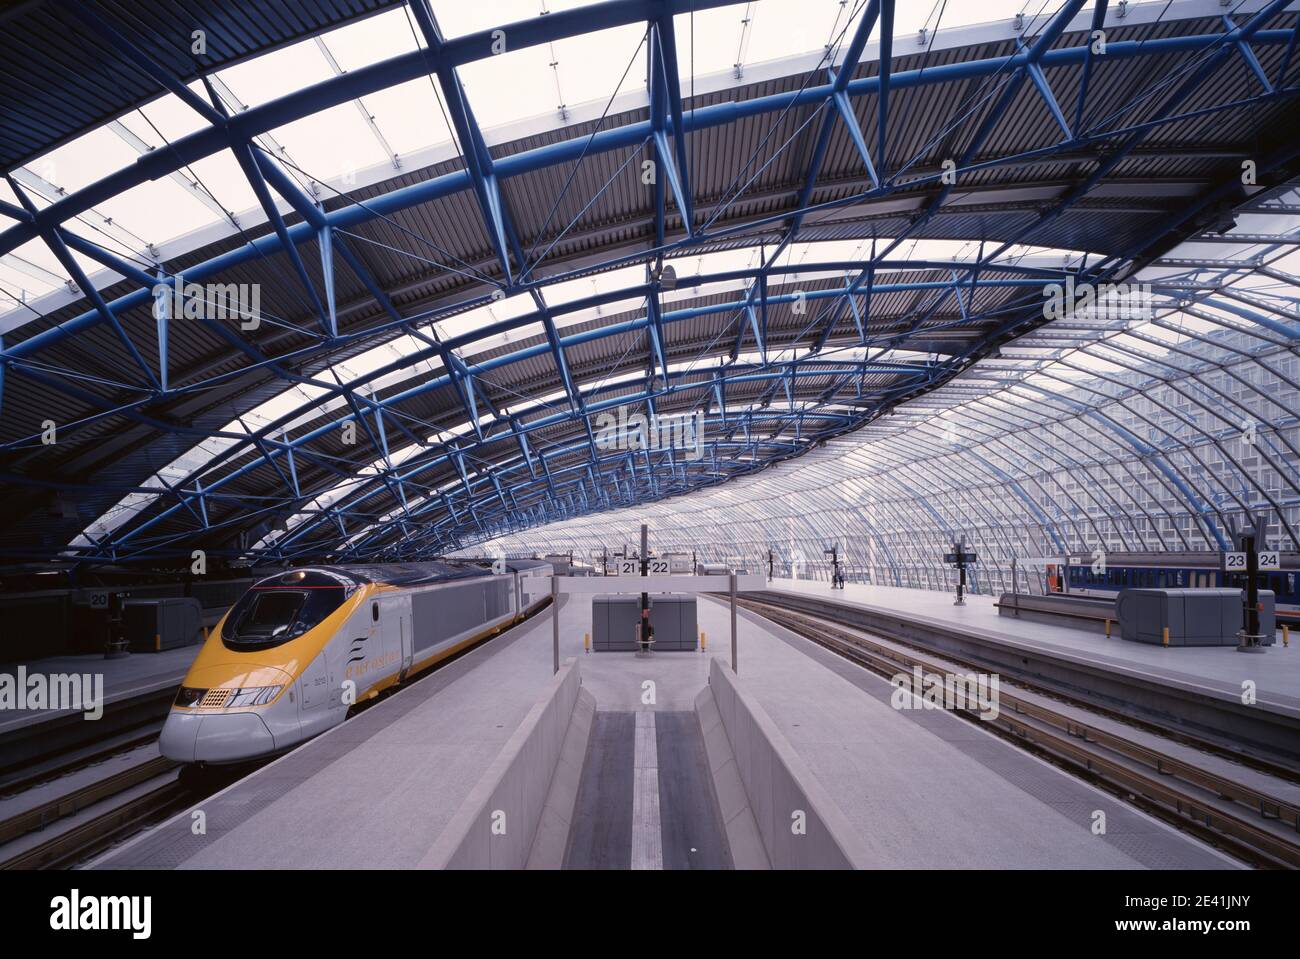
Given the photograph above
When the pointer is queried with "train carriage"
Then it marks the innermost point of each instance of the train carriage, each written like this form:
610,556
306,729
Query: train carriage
301,647
1085,576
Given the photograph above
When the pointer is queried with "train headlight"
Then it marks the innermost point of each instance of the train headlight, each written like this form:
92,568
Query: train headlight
253,696
189,696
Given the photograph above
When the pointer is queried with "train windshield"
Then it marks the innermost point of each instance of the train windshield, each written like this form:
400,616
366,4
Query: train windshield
274,612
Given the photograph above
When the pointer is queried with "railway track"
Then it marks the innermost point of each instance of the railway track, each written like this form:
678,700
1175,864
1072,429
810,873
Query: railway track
1246,820
71,846
33,774
69,804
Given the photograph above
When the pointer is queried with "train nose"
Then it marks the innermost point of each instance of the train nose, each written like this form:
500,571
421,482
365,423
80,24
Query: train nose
215,737
210,734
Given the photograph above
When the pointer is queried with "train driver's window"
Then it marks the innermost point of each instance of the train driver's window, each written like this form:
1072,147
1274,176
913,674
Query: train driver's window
267,616
273,612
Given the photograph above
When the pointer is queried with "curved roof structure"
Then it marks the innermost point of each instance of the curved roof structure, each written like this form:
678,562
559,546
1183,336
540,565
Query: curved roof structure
1094,435
404,319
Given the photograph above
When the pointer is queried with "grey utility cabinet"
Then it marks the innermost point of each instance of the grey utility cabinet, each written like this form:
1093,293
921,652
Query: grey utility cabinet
614,619
1194,617
153,625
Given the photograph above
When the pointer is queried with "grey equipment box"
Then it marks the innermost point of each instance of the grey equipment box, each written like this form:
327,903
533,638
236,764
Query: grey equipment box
673,617
614,619
153,625
1194,617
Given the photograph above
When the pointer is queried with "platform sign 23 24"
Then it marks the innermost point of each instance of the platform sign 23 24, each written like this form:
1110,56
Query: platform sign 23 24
1269,560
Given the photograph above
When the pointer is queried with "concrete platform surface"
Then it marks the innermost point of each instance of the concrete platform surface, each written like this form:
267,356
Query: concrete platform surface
927,789
924,789
377,791
1275,672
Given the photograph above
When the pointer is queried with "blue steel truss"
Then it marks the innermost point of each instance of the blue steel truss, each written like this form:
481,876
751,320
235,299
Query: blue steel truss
762,401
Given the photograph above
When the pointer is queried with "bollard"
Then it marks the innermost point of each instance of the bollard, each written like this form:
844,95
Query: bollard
586,642
1108,629
1164,641
704,640
1286,635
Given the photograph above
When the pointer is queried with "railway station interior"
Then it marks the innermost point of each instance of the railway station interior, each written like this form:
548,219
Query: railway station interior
650,435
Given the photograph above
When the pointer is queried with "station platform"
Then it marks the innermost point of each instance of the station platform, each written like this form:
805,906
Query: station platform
1276,672
376,791
656,781
134,689
1182,682
125,678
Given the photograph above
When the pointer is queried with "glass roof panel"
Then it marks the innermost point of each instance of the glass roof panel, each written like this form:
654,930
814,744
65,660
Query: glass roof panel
270,76
330,144
587,68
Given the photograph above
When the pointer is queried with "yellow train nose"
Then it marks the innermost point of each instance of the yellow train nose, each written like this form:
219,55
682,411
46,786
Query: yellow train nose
235,676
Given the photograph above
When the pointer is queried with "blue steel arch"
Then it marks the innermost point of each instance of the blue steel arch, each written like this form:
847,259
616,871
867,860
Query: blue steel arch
479,505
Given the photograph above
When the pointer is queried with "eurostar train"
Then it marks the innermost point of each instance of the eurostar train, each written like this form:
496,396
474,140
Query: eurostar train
303,646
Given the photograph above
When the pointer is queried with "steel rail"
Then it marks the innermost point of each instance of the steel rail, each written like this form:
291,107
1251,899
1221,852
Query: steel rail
92,836
60,807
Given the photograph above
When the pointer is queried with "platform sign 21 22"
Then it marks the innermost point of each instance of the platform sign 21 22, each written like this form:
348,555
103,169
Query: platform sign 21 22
632,567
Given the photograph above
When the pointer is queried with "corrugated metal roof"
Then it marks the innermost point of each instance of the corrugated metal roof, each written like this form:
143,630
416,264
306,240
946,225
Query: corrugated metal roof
72,81
749,171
